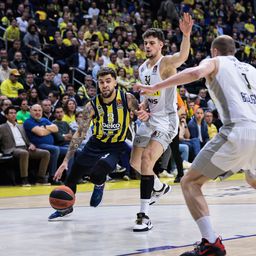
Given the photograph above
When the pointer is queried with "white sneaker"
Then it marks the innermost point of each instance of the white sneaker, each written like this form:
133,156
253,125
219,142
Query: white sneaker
143,223
165,174
186,164
157,194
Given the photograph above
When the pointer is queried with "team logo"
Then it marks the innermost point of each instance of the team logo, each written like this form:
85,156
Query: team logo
154,70
119,103
100,110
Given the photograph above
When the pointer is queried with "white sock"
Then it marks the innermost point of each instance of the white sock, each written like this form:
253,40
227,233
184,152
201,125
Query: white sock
144,205
158,185
206,229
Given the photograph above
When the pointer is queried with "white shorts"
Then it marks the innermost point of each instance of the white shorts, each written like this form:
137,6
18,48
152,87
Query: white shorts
230,151
146,133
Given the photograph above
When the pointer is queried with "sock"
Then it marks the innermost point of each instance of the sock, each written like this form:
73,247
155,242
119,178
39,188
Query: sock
146,187
158,185
205,226
144,205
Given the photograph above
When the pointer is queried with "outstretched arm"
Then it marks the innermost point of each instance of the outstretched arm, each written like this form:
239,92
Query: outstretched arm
177,59
205,69
77,138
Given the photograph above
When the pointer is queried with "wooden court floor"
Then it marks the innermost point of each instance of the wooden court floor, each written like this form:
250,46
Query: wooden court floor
107,229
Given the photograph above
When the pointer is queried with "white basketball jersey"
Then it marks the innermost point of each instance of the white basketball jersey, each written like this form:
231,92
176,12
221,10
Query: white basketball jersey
162,104
234,91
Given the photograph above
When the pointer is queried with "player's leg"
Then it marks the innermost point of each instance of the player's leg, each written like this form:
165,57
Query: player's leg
149,157
250,179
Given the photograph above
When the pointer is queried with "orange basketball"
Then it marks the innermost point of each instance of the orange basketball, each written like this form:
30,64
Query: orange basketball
62,198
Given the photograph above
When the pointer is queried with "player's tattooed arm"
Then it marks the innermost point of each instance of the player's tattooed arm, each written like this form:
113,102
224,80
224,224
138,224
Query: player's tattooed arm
80,134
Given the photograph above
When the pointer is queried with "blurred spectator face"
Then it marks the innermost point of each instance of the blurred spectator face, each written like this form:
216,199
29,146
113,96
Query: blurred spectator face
4,63
59,113
58,40
88,80
71,91
120,54
113,58
208,117
79,118
3,53
182,92
24,105
52,98
127,62
46,106
29,79
91,91
202,93
199,115
16,44
14,23
14,78
136,73
11,116
36,112
65,78
48,77
34,93
64,99
81,49
55,68
71,106
152,46
6,103
105,51
121,72
18,56
100,61
23,95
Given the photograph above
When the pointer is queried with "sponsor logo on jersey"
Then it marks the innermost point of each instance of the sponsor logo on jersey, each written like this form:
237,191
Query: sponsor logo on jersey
153,101
111,126
119,103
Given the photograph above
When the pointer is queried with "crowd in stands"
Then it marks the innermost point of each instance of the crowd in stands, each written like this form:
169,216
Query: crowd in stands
85,35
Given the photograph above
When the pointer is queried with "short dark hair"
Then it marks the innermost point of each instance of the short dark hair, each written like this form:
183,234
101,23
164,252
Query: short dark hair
155,32
6,111
106,71
225,45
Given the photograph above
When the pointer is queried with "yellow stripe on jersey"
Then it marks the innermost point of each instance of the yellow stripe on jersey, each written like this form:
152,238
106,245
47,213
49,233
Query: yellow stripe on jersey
112,120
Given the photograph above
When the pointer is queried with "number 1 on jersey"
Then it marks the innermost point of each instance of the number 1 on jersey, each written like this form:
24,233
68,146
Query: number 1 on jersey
247,81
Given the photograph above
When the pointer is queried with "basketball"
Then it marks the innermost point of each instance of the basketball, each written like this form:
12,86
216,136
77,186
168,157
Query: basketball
62,198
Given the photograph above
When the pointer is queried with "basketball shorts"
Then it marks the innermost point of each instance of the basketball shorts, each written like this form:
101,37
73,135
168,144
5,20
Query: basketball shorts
230,151
146,133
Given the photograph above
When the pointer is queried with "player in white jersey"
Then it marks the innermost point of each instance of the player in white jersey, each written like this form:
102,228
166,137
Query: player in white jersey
232,85
152,139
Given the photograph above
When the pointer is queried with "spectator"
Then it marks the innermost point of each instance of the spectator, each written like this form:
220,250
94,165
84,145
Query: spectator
29,84
57,74
70,111
22,95
31,38
64,83
64,134
23,113
47,109
16,60
33,97
54,97
4,104
73,95
212,130
14,141
10,86
4,69
33,65
40,132
12,33
46,87
98,65
198,127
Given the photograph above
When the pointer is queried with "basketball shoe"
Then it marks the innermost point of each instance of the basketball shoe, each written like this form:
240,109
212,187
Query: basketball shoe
97,195
207,249
59,214
143,223
157,194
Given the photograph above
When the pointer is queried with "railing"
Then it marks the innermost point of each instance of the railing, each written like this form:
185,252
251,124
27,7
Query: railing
48,60
2,30
80,73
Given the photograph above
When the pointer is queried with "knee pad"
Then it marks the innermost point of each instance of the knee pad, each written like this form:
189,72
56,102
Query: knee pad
100,171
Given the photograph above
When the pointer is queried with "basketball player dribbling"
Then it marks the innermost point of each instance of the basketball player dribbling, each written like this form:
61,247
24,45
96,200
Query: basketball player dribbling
232,86
154,136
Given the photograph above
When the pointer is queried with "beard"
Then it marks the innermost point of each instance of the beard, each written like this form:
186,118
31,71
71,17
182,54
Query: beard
107,94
